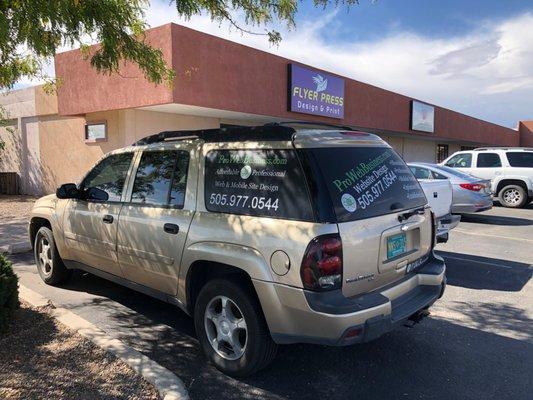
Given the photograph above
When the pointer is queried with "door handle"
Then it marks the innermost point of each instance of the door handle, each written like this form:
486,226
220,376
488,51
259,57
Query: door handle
171,228
108,219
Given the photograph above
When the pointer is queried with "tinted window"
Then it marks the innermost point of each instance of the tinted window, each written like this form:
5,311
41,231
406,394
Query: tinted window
256,182
420,173
520,159
436,175
161,178
109,175
460,161
488,160
365,182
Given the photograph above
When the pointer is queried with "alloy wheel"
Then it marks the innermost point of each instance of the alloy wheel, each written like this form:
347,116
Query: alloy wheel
44,252
512,196
226,328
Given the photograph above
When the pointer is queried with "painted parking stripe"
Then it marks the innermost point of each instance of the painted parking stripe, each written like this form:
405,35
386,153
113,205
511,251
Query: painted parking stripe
476,261
489,235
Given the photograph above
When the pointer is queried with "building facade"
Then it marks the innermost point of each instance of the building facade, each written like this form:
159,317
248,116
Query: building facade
218,82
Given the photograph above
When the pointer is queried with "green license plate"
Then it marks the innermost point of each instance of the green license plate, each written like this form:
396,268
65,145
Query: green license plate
396,245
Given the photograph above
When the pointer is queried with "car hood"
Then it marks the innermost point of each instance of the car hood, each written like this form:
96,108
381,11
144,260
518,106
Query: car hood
48,201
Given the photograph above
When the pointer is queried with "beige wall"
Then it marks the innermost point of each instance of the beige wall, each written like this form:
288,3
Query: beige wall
11,156
66,157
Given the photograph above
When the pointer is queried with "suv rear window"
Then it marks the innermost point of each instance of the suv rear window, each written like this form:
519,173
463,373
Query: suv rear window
520,159
263,183
365,182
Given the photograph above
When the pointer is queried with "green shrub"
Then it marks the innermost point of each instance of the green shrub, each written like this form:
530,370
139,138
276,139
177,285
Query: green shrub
9,293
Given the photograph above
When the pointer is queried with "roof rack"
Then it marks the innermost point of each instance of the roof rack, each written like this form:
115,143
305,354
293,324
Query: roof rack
308,123
503,148
229,134
272,131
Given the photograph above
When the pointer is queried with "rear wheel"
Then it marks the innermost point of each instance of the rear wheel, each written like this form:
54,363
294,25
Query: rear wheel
231,328
513,196
49,265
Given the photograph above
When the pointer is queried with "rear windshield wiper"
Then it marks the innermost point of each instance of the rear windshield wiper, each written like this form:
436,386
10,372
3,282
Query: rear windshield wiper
409,214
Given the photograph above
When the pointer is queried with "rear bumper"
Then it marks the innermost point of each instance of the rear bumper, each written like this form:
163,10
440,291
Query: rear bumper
298,316
478,205
446,223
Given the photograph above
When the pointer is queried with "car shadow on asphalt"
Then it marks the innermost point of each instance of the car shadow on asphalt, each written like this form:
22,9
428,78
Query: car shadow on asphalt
476,272
436,359
496,220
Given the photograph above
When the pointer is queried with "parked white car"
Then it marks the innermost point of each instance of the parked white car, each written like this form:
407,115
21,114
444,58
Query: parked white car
510,171
439,196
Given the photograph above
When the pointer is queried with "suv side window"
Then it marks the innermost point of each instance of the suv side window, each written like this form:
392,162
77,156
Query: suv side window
463,160
263,183
109,176
420,173
488,160
161,178
520,159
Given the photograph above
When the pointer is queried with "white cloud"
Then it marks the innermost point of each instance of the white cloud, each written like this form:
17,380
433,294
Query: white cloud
486,73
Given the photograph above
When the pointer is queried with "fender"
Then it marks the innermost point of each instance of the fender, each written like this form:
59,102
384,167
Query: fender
47,208
499,178
246,258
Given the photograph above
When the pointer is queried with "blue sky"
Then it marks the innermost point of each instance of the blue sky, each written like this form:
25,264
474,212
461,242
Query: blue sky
371,20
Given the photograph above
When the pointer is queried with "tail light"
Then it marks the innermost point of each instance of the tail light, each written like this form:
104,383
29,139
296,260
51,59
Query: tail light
322,263
476,187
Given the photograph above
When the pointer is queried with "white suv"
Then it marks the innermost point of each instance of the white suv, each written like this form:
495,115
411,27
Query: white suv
510,171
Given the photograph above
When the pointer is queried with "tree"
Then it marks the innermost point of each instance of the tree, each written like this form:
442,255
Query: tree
32,31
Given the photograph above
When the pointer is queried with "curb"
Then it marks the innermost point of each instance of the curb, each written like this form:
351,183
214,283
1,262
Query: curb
15,248
169,386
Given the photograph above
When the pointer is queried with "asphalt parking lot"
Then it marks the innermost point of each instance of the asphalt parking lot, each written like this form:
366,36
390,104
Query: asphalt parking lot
477,343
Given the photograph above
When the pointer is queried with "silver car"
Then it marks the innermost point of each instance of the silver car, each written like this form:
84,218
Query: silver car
470,194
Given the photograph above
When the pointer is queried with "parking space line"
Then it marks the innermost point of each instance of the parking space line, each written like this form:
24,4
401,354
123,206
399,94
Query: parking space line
476,261
489,235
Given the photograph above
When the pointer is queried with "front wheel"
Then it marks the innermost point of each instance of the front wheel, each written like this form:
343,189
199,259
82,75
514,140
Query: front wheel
231,328
49,264
513,196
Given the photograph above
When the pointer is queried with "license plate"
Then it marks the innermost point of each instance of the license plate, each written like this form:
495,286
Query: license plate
396,245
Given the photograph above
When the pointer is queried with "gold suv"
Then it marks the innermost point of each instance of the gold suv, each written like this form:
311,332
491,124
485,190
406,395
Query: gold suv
265,235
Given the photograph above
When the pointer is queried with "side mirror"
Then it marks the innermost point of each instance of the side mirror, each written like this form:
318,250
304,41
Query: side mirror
67,191
96,194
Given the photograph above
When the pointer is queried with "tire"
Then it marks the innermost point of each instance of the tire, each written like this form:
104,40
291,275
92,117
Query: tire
258,348
49,264
513,196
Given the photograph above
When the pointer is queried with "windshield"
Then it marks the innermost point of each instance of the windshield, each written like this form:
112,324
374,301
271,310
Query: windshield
365,182
454,172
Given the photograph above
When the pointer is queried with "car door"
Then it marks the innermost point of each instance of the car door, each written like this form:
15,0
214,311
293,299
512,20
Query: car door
461,161
488,165
153,224
91,223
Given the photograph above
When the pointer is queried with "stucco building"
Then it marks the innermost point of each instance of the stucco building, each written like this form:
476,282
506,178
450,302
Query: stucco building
218,83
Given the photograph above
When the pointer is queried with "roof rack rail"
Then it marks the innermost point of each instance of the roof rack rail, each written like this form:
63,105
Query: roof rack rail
227,134
503,148
291,123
